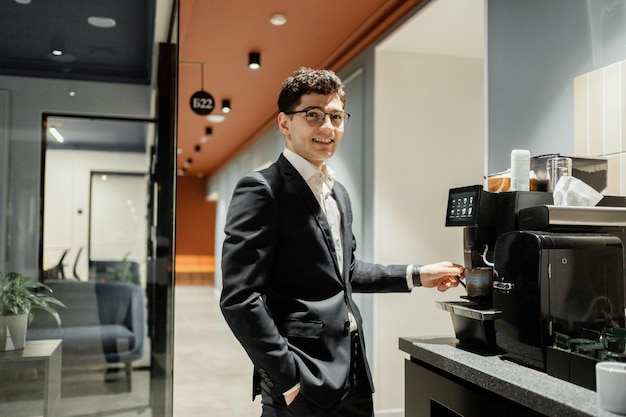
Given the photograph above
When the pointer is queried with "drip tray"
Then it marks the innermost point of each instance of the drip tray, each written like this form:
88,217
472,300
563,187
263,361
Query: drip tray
469,309
473,325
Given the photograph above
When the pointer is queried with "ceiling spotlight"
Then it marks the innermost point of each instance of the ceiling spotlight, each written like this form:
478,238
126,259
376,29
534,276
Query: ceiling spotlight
208,132
58,53
225,106
254,60
278,19
57,45
197,148
101,22
216,118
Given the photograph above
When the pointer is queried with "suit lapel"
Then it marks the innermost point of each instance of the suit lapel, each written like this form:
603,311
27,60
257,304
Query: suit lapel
343,202
305,192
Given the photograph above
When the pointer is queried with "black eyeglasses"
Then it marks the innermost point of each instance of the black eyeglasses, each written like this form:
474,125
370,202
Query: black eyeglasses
315,117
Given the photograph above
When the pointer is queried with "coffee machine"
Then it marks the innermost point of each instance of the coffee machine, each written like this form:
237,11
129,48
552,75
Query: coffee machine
558,272
484,216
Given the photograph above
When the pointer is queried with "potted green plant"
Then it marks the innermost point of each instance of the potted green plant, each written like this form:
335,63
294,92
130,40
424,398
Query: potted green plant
19,297
123,271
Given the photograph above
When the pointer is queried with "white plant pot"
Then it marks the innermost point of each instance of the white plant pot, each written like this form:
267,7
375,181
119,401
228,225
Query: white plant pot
13,332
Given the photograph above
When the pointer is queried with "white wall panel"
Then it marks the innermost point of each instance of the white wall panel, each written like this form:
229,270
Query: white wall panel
429,137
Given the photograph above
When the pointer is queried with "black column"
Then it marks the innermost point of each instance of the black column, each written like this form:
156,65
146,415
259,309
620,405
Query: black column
160,285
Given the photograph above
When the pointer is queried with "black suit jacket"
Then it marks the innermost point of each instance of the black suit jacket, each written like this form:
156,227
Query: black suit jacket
283,294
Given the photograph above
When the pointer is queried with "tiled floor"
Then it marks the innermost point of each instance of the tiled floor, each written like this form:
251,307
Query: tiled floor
212,374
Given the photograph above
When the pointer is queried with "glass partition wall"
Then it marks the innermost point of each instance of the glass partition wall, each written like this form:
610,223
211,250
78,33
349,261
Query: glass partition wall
98,254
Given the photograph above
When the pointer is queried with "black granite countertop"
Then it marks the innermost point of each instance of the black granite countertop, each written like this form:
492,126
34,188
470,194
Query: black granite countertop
529,387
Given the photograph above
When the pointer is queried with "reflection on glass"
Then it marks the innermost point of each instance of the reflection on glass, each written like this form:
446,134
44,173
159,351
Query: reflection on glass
118,227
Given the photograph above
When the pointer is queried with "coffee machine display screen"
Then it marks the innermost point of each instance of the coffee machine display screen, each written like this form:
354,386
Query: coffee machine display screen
463,204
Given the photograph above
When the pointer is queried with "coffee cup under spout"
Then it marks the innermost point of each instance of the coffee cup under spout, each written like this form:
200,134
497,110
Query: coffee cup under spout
479,282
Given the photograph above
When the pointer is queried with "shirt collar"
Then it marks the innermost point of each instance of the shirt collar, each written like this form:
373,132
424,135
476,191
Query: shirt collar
307,169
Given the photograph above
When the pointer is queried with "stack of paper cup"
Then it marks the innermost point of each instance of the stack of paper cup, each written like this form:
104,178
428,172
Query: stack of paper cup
611,386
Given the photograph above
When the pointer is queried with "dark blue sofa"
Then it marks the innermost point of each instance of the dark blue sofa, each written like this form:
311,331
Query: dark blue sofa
103,323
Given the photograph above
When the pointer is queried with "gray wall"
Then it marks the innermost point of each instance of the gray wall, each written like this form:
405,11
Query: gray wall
535,49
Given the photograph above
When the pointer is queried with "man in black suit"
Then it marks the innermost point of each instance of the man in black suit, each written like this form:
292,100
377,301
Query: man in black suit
289,270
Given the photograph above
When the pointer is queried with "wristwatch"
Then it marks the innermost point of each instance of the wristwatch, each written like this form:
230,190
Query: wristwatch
417,281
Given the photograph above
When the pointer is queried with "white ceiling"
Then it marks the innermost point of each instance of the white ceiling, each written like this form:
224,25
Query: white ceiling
444,27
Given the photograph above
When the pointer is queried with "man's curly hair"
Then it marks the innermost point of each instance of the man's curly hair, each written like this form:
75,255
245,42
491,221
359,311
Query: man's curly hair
309,81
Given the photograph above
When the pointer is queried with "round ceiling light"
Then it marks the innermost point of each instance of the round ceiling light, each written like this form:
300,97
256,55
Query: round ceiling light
278,19
59,56
216,118
101,22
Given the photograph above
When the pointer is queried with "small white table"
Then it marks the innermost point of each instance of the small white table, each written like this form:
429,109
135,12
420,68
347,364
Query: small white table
48,352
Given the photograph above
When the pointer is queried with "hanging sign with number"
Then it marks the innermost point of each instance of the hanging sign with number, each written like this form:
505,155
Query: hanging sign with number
202,103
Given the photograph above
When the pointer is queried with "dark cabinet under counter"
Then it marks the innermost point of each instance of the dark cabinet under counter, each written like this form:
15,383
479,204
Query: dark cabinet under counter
428,393
443,380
